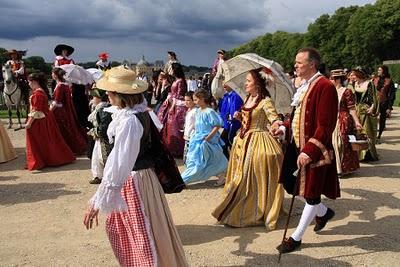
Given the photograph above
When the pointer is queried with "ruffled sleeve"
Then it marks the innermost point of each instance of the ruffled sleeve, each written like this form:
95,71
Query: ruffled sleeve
181,89
349,98
270,111
214,119
38,104
119,166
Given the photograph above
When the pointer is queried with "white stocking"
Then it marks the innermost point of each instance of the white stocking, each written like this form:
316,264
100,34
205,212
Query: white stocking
322,209
307,216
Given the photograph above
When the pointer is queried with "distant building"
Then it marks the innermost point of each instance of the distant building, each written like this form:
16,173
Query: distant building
146,68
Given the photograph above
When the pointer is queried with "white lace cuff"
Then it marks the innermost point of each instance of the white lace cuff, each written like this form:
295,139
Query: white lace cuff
108,199
36,114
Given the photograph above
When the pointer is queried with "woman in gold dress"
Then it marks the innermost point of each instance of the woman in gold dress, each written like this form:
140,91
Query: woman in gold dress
252,194
7,151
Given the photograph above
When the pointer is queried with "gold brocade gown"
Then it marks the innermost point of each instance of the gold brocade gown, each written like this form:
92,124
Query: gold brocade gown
252,194
7,151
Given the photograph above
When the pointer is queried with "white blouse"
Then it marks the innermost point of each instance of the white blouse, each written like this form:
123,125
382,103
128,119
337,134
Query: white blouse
190,121
125,131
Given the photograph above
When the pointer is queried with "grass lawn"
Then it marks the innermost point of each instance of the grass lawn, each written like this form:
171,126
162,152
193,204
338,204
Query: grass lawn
397,101
4,114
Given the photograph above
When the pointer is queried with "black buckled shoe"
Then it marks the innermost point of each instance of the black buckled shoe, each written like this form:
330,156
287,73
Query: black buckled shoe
320,222
288,245
95,180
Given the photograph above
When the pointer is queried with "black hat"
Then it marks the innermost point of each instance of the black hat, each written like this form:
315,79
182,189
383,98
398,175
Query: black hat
221,51
59,48
172,53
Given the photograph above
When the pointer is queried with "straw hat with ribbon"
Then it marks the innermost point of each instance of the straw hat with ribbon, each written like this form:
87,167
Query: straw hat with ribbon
338,73
121,80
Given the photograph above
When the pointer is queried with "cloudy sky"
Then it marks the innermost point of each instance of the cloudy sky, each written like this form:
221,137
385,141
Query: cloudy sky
128,29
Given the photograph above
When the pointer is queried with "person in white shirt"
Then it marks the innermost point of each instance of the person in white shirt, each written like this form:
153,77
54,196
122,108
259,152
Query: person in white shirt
103,63
139,223
192,84
190,120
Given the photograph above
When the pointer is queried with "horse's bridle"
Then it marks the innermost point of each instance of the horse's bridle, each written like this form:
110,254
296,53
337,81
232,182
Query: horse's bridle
9,95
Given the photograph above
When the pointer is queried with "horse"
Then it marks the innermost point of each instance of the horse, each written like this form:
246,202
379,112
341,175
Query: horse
12,94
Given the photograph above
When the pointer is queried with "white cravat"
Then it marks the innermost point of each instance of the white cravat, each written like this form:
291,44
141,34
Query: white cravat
305,84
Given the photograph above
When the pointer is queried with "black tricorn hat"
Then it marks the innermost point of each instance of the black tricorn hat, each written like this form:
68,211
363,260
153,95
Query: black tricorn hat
172,53
59,48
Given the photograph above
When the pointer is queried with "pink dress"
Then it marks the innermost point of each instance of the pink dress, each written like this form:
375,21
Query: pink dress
173,118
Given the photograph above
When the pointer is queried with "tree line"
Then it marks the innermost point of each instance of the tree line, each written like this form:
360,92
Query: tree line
352,36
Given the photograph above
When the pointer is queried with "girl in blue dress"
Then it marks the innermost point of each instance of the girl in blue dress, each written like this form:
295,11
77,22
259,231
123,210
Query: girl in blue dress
205,157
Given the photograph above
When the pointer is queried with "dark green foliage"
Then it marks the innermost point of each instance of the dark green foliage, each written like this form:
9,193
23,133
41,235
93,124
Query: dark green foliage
350,37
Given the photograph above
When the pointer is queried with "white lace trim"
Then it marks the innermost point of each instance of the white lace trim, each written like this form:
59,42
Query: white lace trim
109,199
302,89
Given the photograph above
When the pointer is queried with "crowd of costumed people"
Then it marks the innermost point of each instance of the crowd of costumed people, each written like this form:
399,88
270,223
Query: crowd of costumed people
135,129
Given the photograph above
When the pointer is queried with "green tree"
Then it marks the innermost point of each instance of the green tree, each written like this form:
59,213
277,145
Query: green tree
352,36
37,64
3,56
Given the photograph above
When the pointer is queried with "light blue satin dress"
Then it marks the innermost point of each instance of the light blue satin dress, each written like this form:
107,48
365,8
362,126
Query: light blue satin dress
205,159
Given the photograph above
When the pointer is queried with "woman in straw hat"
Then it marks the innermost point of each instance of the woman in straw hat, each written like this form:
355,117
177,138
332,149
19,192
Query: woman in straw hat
348,123
367,110
139,223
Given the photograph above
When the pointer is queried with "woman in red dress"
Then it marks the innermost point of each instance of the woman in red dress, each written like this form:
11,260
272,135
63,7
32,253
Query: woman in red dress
173,111
45,145
65,114
348,123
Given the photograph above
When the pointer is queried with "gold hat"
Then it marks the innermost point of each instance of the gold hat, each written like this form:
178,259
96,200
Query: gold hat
121,80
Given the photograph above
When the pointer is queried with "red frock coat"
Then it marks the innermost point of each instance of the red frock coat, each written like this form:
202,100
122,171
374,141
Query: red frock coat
44,144
319,109
72,132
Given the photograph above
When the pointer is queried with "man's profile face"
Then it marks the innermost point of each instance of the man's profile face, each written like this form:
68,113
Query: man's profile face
303,65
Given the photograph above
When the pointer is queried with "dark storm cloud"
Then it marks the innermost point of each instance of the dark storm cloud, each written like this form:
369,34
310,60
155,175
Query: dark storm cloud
158,20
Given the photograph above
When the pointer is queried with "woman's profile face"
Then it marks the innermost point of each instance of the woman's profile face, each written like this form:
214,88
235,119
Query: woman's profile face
113,98
380,71
250,85
33,84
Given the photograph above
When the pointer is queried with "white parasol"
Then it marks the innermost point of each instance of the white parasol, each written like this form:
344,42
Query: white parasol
281,90
96,73
77,74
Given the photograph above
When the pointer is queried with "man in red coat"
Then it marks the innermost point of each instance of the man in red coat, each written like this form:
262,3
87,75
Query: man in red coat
309,133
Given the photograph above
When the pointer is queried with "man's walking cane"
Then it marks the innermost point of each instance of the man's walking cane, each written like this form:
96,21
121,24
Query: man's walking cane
297,174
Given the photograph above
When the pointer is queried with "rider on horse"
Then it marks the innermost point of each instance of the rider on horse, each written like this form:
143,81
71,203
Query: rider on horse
20,74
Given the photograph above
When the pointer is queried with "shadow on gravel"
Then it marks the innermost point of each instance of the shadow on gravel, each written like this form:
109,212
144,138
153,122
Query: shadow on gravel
379,233
11,194
293,259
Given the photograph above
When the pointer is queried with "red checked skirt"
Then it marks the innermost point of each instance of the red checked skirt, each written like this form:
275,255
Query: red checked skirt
145,235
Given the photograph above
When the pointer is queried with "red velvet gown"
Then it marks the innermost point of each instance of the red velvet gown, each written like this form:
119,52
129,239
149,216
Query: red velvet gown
173,118
45,145
65,114
347,126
